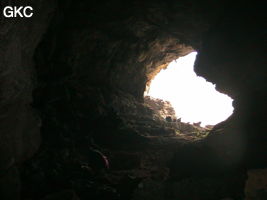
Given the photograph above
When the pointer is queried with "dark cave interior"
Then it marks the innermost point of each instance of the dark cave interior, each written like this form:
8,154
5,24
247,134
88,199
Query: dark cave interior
73,120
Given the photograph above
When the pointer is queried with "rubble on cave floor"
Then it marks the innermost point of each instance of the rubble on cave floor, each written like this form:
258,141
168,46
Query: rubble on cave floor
162,108
154,117
157,118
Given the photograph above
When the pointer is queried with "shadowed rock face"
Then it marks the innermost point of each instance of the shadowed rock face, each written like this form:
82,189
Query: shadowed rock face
19,123
76,73
233,57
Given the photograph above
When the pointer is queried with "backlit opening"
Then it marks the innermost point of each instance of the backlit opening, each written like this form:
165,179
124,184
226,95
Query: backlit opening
192,97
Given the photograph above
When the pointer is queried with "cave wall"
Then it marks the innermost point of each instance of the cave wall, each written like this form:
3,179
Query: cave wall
111,42
78,69
105,54
233,57
19,123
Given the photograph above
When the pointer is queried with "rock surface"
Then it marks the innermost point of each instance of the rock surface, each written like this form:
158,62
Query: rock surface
73,78
19,123
163,108
256,185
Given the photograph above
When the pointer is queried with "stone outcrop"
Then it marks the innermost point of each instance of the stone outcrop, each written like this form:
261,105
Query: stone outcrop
163,108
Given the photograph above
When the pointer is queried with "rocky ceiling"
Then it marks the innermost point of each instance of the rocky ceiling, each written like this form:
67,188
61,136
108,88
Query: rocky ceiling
73,77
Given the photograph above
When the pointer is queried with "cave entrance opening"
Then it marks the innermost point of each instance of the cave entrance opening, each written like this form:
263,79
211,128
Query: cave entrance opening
192,97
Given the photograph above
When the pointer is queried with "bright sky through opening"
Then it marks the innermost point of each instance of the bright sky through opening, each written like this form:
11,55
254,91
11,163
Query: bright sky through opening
192,97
